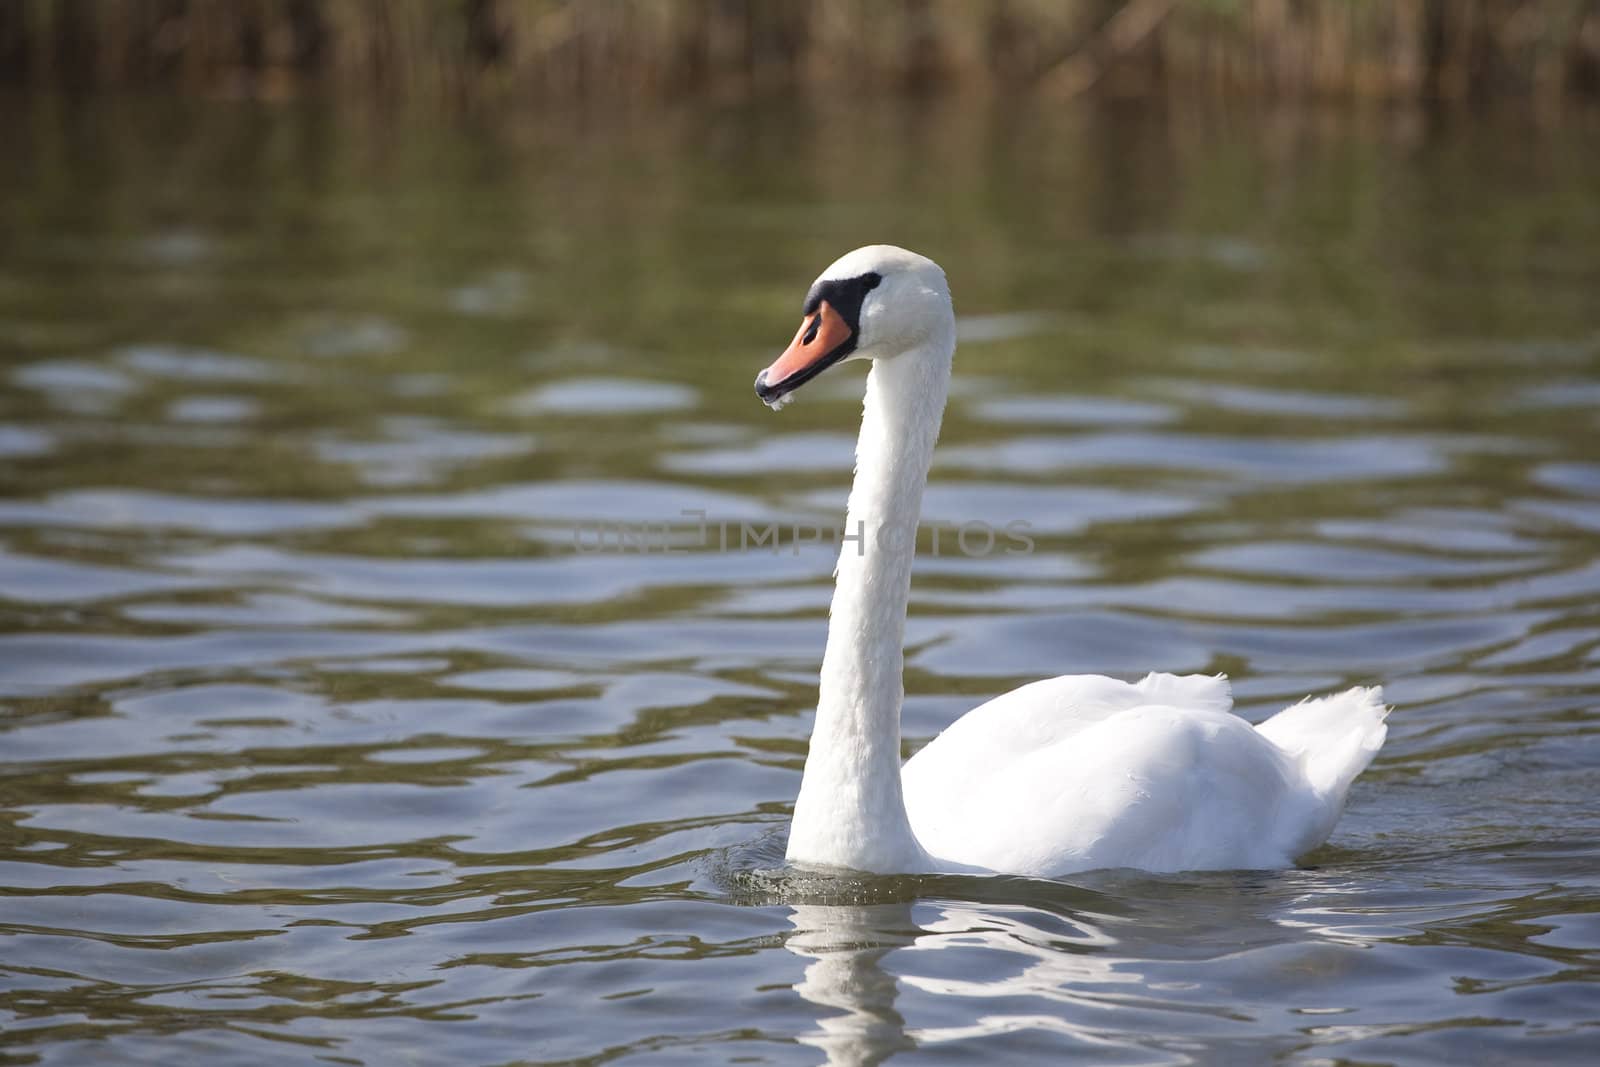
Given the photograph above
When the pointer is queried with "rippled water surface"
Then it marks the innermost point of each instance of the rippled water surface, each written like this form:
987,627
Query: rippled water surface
353,708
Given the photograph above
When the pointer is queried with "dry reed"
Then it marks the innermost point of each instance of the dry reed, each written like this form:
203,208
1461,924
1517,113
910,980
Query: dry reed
1541,52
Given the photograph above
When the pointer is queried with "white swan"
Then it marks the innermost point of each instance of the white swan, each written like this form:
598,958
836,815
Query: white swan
1067,774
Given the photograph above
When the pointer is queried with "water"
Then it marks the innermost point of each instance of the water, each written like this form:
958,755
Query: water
323,743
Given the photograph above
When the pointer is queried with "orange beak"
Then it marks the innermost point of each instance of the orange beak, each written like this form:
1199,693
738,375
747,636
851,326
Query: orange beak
820,342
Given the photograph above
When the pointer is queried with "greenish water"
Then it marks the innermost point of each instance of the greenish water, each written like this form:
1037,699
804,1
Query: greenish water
323,742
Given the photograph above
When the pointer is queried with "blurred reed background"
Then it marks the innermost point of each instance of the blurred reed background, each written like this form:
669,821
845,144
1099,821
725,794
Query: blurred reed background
1543,54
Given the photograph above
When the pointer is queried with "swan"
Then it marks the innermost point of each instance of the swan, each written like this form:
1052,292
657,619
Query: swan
1063,775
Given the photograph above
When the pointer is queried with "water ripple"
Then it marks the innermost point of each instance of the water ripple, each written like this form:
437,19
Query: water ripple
376,683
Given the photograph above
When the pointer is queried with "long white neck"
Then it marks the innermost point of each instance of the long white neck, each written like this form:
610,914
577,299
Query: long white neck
851,811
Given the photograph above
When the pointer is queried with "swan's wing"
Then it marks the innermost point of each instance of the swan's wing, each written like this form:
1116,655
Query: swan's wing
1041,713
1056,777
944,775
1155,787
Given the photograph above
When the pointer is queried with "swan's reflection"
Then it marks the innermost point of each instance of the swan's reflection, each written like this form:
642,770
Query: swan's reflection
848,943
1005,966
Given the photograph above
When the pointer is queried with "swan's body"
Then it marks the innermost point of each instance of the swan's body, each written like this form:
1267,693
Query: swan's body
1063,775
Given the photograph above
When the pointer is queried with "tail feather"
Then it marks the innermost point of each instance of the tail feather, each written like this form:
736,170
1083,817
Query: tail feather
1334,738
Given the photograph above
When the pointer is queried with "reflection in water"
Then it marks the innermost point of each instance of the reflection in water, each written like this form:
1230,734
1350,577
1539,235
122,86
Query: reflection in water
863,954
1106,971
847,944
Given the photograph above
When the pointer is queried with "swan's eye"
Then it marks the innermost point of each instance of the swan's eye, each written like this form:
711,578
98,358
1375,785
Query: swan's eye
811,334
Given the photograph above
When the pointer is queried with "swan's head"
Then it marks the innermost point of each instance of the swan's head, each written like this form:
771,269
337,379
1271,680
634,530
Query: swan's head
874,303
